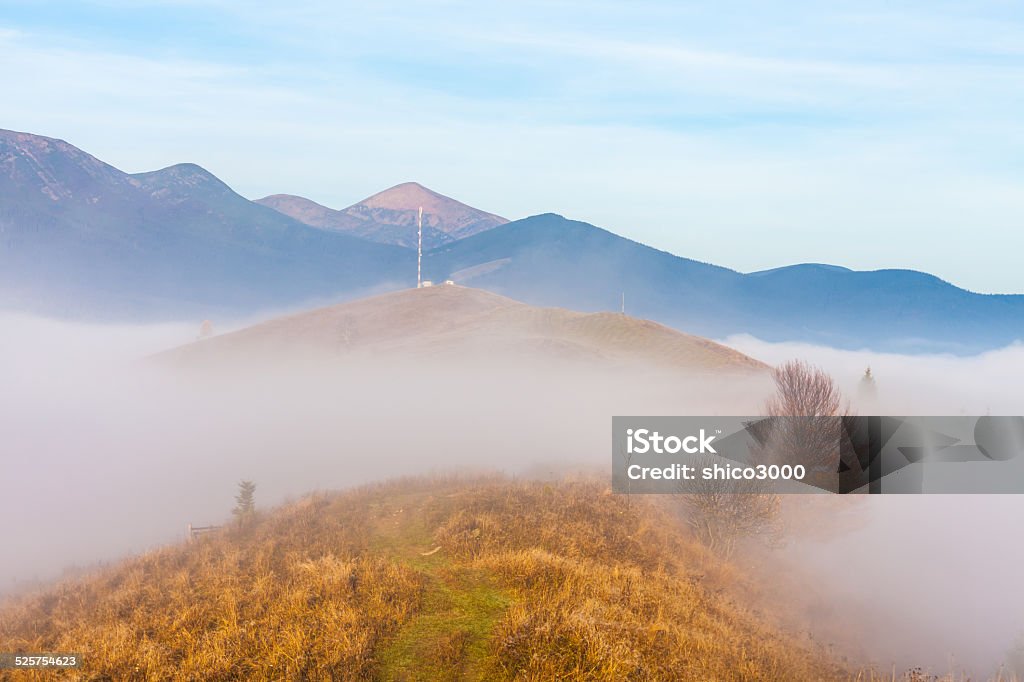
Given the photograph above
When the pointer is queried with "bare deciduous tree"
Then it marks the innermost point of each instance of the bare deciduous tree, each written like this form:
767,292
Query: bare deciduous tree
802,390
724,512
807,411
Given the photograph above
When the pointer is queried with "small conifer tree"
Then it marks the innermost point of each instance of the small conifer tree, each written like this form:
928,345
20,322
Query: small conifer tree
867,391
245,504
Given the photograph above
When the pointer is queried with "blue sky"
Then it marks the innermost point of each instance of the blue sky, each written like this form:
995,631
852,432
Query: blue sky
749,134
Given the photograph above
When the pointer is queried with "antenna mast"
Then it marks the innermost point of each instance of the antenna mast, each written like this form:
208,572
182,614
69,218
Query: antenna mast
419,249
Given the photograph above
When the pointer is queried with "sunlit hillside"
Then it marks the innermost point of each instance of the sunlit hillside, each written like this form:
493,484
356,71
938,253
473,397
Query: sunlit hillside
423,579
455,322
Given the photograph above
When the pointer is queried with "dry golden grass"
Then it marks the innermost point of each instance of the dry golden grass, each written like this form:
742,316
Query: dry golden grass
261,603
532,581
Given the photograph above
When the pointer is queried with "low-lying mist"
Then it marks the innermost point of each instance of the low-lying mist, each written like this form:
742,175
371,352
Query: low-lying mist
913,384
921,580
106,452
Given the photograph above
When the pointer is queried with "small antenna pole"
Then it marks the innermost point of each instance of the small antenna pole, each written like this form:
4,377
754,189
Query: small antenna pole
419,249
623,302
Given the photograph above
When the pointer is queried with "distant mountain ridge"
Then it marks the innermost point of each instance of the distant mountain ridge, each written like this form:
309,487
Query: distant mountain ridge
390,217
550,260
79,237
181,183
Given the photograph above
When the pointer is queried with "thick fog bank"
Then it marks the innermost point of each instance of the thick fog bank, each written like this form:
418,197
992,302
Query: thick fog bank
932,580
106,453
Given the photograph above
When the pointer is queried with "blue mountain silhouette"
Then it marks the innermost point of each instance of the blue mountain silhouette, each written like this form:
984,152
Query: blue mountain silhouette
79,237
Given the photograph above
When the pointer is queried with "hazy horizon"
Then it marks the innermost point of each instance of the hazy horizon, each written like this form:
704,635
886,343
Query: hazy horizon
849,135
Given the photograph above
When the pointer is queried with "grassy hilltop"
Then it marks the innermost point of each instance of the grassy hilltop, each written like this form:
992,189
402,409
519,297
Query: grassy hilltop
422,579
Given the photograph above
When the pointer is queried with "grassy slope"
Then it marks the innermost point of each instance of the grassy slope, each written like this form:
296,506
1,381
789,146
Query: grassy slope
453,321
531,581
